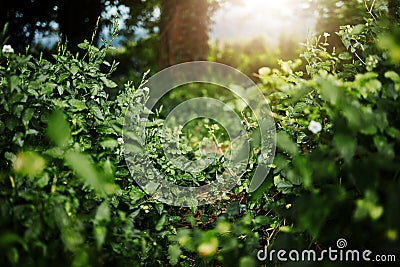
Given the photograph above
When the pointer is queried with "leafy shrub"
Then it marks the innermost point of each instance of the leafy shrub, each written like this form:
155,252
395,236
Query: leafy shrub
339,178
52,192
335,173
67,195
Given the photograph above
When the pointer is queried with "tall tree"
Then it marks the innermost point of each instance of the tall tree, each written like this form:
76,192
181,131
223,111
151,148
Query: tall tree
184,28
394,10
180,26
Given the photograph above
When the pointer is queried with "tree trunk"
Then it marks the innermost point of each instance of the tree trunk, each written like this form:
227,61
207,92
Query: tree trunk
393,7
183,31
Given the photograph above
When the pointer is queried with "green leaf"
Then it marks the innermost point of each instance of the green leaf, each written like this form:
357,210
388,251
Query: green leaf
62,77
97,112
312,211
357,29
100,234
109,143
286,144
74,70
384,147
395,78
134,148
304,169
8,239
12,122
108,168
330,91
368,207
85,170
102,213
77,105
135,194
29,163
174,252
392,75
108,83
282,184
209,246
43,180
58,129
264,71
14,82
84,45
55,152
354,117
48,87
161,222
345,56
10,156
393,132
346,145
27,115
371,87
247,261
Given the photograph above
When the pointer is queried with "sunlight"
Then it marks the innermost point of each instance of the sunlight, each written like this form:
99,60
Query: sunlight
263,12
238,20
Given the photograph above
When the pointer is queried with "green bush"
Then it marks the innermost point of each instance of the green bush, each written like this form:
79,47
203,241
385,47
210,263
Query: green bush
67,196
338,136
336,172
60,156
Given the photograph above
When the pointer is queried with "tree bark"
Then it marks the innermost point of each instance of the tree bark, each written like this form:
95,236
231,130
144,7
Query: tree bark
393,6
183,31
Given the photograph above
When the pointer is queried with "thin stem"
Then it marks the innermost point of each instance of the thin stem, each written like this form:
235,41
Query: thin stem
369,9
362,61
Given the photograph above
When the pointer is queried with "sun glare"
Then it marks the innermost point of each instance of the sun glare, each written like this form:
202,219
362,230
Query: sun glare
270,19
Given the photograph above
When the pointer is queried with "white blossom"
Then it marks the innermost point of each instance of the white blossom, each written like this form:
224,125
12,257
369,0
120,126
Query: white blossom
146,89
315,127
326,34
120,140
7,49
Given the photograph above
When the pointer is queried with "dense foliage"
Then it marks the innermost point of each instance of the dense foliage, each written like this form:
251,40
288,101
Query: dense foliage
67,197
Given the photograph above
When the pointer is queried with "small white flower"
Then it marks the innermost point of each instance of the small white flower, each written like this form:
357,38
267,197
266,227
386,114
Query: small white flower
97,100
120,140
326,34
7,49
92,97
146,89
315,127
